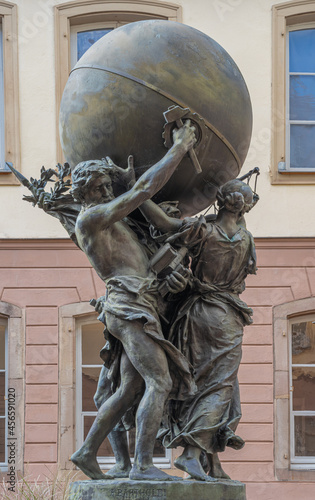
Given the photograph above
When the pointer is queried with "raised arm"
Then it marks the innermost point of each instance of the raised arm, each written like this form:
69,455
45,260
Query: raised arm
148,184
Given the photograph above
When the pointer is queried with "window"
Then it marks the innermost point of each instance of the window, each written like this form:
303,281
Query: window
12,381
293,84
302,394
3,392
294,389
83,37
79,24
2,155
300,134
9,105
89,341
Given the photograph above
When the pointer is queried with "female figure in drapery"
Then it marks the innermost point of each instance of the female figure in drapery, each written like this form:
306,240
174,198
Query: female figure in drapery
208,329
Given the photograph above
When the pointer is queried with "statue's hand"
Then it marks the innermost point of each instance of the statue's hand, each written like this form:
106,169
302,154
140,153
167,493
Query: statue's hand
43,199
125,175
176,282
98,304
185,136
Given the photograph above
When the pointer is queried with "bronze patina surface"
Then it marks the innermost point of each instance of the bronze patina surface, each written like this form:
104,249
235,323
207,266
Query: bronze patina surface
116,95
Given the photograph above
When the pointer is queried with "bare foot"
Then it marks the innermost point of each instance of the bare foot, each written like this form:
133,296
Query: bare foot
151,474
216,467
118,471
193,467
88,464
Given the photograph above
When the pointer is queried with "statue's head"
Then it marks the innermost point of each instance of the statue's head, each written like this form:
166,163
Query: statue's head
235,196
92,182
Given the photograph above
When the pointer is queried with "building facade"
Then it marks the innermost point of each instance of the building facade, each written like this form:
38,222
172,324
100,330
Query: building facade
49,334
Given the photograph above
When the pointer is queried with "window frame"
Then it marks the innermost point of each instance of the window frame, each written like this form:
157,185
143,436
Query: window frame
105,462
2,134
74,30
14,318
4,322
98,11
283,317
295,27
8,14
304,463
285,15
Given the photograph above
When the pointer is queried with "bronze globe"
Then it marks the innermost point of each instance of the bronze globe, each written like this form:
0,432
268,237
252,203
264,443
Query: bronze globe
115,97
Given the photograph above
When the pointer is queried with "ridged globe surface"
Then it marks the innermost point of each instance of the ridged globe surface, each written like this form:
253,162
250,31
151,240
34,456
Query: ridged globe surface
114,100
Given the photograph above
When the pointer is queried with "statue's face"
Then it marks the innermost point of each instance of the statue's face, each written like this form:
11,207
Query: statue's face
248,194
99,191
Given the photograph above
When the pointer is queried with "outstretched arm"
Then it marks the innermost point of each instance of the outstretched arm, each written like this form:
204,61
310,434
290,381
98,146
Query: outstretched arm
158,218
148,184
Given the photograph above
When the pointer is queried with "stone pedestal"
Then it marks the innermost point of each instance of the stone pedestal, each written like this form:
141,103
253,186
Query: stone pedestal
155,490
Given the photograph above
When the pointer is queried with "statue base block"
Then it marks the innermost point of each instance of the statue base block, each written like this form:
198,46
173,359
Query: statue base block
125,489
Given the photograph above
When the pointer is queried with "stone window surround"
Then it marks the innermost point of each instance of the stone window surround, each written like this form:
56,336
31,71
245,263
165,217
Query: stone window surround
284,15
89,11
16,376
68,315
282,316
8,14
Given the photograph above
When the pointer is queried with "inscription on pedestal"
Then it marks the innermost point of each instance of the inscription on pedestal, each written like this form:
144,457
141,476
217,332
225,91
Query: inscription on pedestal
138,494
145,490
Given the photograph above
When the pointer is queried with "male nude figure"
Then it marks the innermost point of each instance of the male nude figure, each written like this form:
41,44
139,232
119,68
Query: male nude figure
120,260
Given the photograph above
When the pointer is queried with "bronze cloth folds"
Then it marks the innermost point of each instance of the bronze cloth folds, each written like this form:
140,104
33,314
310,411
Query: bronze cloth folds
208,330
133,298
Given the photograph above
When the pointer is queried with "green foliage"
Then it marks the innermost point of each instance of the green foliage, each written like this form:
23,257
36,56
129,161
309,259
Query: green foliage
54,487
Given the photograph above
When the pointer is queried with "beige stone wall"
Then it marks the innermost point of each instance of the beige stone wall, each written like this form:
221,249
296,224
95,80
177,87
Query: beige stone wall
242,27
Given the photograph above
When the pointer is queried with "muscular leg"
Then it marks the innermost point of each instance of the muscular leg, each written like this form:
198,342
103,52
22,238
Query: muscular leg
117,438
107,417
150,361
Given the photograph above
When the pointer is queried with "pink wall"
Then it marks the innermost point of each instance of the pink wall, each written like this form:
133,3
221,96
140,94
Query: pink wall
41,275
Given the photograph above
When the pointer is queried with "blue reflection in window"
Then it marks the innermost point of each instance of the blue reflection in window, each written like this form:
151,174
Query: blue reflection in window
302,146
302,97
302,51
85,39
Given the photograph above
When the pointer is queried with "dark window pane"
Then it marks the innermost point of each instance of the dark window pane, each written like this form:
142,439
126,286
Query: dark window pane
302,50
2,393
89,384
2,440
2,347
105,449
85,39
304,428
159,450
303,343
302,97
92,342
303,389
302,146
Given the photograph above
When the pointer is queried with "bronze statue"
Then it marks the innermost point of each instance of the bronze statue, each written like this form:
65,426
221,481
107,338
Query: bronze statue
131,305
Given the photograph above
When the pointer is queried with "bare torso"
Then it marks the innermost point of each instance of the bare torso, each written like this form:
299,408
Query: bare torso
112,251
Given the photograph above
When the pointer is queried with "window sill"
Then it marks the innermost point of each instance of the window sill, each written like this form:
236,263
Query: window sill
292,177
8,179
295,475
